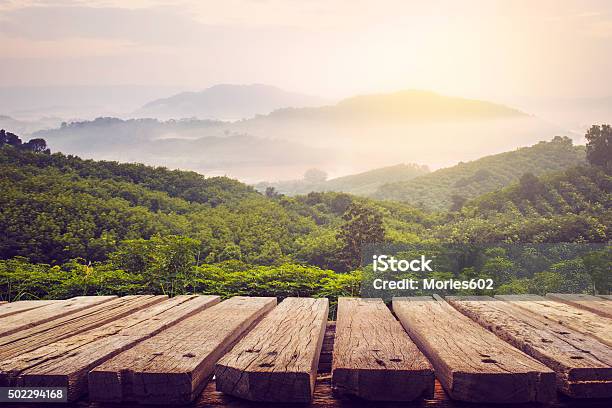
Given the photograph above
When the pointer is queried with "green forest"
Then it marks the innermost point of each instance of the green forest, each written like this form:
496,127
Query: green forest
445,188
70,226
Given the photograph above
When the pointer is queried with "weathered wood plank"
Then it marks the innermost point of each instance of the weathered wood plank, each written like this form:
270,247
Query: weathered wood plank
40,335
582,321
31,318
277,361
472,363
66,363
591,303
174,366
8,309
608,297
583,364
374,358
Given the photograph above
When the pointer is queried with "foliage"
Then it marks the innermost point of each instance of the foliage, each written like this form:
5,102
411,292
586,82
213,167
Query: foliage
469,180
80,227
360,184
599,146
363,225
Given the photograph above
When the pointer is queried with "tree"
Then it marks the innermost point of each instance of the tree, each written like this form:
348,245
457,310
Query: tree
165,262
457,202
272,193
599,146
598,265
9,138
530,186
37,146
315,176
363,225
231,252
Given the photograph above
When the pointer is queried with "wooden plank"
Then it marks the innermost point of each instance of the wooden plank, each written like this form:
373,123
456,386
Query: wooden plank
66,363
277,361
8,309
174,366
591,303
472,363
325,398
583,365
608,297
582,321
31,318
373,356
32,338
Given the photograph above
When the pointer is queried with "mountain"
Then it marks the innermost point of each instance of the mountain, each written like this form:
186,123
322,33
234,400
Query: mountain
371,131
359,184
576,190
226,102
356,135
407,105
442,188
572,206
71,227
205,146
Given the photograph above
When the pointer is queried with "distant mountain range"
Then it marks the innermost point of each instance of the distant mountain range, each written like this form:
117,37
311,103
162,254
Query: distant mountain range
226,102
350,137
440,189
408,105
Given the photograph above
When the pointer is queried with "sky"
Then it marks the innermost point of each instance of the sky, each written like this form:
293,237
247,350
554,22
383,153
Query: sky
496,50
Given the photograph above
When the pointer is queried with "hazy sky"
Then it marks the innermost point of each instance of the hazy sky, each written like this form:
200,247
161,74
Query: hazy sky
489,49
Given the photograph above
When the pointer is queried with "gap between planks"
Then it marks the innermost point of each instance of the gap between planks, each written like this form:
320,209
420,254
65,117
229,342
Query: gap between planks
373,356
472,363
21,321
580,320
277,361
174,366
583,365
591,303
65,363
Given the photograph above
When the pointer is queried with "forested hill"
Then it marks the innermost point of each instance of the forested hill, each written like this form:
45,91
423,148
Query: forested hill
360,184
574,205
54,208
577,190
449,188
70,227
187,185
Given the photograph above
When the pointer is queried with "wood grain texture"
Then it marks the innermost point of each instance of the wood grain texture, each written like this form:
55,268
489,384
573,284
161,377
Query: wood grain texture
373,356
591,303
40,335
21,321
324,397
65,363
583,365
580,320
277,361
7,309
174,366
472,363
